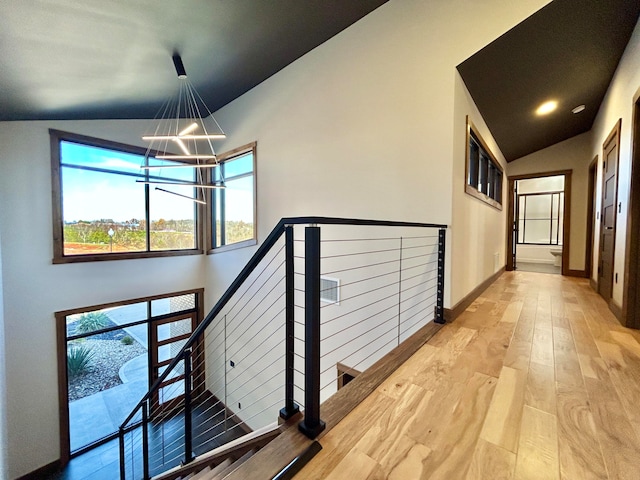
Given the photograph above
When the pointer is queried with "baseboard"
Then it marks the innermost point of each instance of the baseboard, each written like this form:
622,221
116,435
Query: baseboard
576,273
451,314
593,284
617,311
535,260
42,472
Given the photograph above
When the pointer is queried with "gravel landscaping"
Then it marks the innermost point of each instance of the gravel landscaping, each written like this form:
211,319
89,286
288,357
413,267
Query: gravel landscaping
102,373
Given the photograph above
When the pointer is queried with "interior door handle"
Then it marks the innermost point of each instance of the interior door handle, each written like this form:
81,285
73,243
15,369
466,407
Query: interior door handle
609,228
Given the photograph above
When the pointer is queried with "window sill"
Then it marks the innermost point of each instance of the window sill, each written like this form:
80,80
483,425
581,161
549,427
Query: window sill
102,257
233,246
481,196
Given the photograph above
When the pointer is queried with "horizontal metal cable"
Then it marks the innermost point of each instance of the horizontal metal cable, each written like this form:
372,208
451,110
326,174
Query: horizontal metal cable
367,265
278,359
257,277
413,306
393,295
393,340
266,324
231,320
369,252
402,332
235,415
361,334
391,307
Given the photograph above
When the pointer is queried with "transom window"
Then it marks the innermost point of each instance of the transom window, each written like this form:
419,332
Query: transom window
484,173
232,209
101,211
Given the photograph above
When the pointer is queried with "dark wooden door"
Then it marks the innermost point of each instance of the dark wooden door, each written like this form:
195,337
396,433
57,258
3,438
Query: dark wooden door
608,214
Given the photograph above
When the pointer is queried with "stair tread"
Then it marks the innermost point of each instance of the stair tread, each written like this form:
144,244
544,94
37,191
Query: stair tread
234,466
221,466
201,475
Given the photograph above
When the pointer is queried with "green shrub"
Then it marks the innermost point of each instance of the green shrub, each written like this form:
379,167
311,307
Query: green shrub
127,340
89,322
79,358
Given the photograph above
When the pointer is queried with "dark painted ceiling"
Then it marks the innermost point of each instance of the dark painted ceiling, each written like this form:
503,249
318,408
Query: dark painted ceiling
568,52
72,59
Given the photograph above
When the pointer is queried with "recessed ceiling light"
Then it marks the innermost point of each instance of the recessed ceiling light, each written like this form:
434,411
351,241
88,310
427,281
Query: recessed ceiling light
547,107
578,109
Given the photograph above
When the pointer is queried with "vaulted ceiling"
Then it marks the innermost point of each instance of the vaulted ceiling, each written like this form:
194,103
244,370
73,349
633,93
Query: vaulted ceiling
566,52
90,59
65,59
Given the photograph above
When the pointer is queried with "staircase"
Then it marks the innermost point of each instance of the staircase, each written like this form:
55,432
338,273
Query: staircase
220,471
259,353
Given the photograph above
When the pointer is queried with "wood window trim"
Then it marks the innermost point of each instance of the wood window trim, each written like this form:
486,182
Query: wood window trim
470,190
228,155
55,137
61,348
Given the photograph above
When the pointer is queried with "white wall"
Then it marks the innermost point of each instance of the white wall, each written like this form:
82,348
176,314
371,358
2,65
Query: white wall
363,126
572,154
366,125
618,104
477,229
34,288
3,385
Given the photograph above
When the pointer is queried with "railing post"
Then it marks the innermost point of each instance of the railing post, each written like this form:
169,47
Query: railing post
145,442
123,473
311,426
188,428
440,292
290,407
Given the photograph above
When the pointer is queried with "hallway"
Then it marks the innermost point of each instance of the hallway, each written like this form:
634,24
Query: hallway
535,380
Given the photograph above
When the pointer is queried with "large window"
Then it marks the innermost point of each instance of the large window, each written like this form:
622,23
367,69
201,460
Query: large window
100,211
232,209
540,218
484,174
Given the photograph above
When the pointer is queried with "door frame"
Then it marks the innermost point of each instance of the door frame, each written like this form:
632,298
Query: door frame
591,220
566,217
630,297
613,135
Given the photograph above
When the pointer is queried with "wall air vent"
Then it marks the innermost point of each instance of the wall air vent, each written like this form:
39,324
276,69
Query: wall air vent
330,290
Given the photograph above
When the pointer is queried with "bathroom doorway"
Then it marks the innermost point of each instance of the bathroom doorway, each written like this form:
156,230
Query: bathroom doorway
539,222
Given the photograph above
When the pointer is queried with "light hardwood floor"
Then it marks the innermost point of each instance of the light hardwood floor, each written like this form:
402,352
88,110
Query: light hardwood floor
535,380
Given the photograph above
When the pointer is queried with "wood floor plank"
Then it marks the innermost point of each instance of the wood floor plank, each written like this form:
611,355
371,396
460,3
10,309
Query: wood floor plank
412,465
567,364
542,346
624,372
579,449
518,355
491,462
502,424
354,466
582,334
619,444
541,392
538,447
451,455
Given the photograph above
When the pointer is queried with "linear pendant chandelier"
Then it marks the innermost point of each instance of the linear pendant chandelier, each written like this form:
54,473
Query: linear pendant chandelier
184,133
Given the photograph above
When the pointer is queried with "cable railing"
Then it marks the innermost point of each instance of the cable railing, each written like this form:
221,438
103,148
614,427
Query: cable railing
308,312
